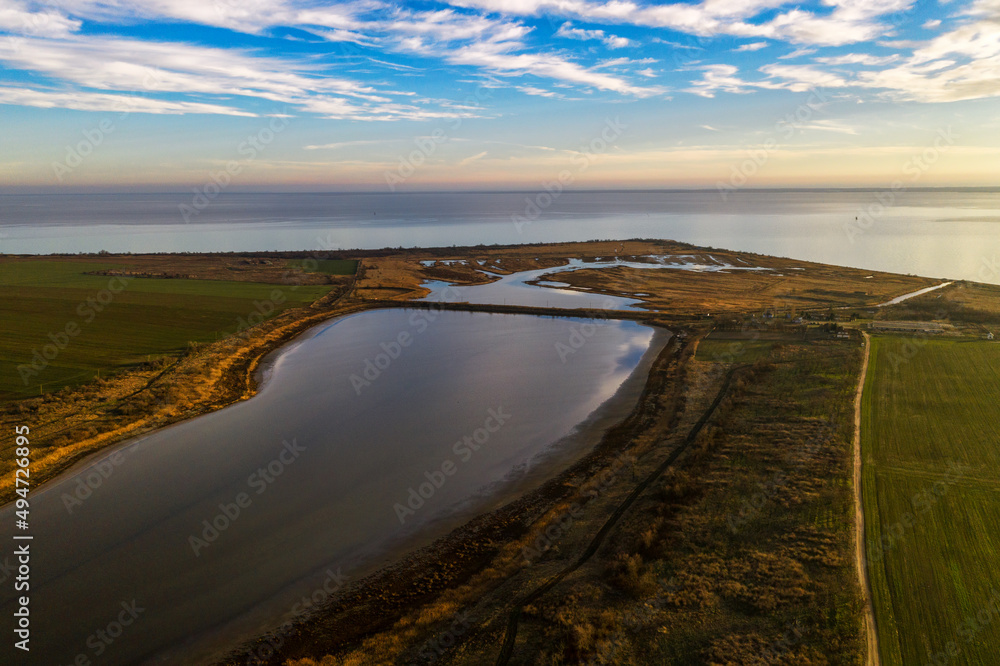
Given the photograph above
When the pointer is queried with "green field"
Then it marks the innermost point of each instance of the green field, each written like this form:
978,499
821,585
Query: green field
328,266
48,299
931,483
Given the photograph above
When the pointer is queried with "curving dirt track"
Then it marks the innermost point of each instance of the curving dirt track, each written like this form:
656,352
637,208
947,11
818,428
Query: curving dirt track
871,635
510,634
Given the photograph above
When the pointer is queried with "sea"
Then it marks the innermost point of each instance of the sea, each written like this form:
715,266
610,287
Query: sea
943,233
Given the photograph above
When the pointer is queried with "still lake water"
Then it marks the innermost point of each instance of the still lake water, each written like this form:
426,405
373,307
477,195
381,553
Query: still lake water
338,455
940,233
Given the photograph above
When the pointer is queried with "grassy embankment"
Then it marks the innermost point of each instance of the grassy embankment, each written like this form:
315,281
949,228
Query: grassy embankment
930,434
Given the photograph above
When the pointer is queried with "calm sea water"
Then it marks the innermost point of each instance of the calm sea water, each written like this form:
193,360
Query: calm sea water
466,410
941,233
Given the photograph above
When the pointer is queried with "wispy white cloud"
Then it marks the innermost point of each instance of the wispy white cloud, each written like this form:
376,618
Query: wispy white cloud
797,78
621,62
797,53
829,126
346,144
720,78
858,59
850,21
491,44
130,64
122,104
802,78
493,38
706,18
340,108
611,41
616,42
962,63
538,92
473,158
156,68
16,18
959,64
499,59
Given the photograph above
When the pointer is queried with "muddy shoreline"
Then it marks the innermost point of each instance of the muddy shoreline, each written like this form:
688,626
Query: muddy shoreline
374,601
561,458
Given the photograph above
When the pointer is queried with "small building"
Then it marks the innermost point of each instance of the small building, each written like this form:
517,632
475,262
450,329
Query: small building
989,336
907,326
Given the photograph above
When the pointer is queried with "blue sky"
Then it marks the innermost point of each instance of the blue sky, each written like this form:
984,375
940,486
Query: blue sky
498,93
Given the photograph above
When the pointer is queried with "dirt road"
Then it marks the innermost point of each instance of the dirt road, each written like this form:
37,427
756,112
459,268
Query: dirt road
872,658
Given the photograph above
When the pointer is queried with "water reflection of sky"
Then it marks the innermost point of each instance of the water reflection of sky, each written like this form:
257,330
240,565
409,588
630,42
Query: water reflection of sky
364,448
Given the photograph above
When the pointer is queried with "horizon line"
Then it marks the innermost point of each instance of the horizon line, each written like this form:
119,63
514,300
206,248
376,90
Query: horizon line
592,190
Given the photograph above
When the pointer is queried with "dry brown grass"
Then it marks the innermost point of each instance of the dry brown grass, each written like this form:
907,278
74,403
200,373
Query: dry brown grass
389,279
790,286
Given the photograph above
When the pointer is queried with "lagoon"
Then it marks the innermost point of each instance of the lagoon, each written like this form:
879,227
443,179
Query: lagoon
373,434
